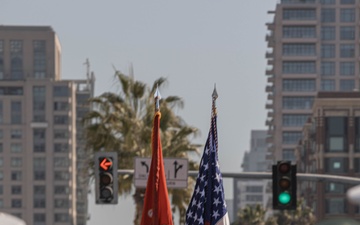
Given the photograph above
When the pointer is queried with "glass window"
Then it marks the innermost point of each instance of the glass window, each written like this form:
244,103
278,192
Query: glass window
16,189
345,2
295,120
16,134
299,32
254,198
347,15
39,47
328,33
61,175
16,203
336,165
299,14
357,160
39,103
61,106
294,102
61,134
61,147
327,50
299,85
347,50
336,134
347,33
288,154
61,203
327,15
299,49
335,205
39,134
347,85
291,137
39,175
16,59
39,190
61,190
1,175
16,147
39,218
16,162
299,67
327,68
347,68
328,85
327,2
61,91
39,163
16,112
61,162
59,120
16,175
11,91
61,217
39,147
1,59
39,202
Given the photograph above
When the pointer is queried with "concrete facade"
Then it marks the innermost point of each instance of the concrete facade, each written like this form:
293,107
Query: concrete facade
42,155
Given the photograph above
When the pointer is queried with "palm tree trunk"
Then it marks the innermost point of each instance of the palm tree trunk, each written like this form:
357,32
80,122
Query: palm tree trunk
139,202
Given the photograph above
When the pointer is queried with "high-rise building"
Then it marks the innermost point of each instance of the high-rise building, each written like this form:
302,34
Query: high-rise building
253,192
42,154
313,47
331,145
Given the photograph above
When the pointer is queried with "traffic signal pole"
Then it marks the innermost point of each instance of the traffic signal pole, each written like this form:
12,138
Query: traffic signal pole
268,176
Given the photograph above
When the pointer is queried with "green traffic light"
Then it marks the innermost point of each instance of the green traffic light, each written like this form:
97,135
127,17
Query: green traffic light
284,198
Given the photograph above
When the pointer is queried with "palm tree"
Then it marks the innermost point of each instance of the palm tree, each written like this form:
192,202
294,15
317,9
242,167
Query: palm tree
122,122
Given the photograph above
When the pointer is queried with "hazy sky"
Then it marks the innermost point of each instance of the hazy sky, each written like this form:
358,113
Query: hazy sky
194,44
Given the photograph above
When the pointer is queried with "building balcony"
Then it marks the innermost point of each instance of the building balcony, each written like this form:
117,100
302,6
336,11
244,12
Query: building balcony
269,88
270,26
269,71
270,62
269,37
270,97
270,132
269,106
269,139
269,55
271,79
270,114
269,122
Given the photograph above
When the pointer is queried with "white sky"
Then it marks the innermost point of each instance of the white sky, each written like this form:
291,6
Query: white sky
193,43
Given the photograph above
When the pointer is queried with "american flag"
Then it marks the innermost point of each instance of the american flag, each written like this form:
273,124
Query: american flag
207,204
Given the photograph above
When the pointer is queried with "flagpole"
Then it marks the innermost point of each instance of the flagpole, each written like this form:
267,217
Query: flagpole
214,97
157,98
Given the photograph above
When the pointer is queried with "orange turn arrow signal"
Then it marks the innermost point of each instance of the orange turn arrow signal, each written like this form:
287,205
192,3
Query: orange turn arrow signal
105,164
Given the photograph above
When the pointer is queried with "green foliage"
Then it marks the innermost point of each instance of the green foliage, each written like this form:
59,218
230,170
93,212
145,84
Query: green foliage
123,121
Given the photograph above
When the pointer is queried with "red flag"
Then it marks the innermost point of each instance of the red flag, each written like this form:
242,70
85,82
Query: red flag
156,209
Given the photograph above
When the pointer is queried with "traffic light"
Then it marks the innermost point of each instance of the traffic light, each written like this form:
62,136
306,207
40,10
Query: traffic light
106,178
284,185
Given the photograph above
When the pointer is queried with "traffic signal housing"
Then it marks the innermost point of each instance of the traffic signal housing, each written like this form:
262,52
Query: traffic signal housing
106,178
284,186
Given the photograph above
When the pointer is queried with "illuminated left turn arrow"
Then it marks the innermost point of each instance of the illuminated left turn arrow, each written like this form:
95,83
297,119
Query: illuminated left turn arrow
105,164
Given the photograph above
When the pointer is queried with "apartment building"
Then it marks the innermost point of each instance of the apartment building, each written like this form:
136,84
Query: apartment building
42,157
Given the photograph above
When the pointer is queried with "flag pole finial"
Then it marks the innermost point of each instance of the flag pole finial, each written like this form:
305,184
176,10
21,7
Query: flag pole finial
214,97
157,98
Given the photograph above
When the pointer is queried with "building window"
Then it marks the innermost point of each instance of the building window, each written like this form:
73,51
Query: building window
299,32
16,203
16,189
39,190
336,165
357,162
39,147
16,112
39,103
299,49
16,175
254,198
327,15
16,134
294,102
327,68
347,85
254,189
1,175
335,206
288,154
16,59
61,120
61,134
61,162
1,59
299,85
16,147
16,162
61,106
328,85
295,120
336,134
11,91
39,59
347,2
61,175
39,134
39,202
299,67
327,50
61,190
357,134
61,217
328,33
61,203
291,137
299,14
39,218
347,51
61,91
347,15
61,147
347,68
347,33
